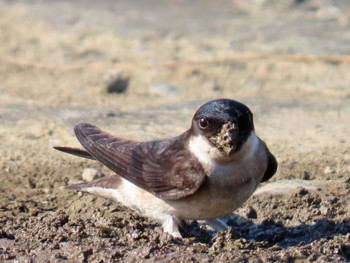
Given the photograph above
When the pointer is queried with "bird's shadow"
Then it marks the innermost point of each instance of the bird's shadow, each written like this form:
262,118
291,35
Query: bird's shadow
275,232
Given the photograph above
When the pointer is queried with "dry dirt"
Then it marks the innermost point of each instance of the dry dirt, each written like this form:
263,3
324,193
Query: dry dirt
288,62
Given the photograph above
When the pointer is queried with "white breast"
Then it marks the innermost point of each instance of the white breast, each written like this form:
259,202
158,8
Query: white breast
231,181
211,157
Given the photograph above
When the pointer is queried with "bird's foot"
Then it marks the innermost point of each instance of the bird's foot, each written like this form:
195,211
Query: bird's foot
171,226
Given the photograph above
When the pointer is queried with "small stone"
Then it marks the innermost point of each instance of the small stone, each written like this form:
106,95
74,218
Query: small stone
118,84
328,170
306,176
250,212
135,235
106,232
323,210
90,174
300,191
216,88
31,183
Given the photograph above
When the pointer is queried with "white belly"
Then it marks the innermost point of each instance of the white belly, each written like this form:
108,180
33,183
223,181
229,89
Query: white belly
227,187
211,201
224,191
221,195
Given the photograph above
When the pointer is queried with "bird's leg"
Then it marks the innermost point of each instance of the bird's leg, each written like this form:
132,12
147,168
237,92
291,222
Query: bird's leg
171,226
217,224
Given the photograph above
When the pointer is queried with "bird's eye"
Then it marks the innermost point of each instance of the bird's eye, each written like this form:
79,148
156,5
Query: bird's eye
203,123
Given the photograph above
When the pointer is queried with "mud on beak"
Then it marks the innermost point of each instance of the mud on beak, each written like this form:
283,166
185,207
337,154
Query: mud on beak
229,138
226,140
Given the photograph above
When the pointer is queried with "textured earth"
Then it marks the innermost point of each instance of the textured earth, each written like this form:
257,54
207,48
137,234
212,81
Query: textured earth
140,69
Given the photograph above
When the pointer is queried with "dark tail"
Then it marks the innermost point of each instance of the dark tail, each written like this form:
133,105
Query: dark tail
75,151
103,187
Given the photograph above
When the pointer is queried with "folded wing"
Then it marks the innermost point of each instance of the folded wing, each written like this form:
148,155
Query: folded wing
271,165
163,168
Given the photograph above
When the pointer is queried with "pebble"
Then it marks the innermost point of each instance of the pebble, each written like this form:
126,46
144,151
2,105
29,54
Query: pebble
216,88
306,176
250,212
90,174
323,210
328,170
118,84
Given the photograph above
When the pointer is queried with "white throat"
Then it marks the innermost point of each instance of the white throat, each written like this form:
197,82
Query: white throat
209,155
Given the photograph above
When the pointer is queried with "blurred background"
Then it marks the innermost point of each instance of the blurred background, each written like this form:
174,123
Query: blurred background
140,69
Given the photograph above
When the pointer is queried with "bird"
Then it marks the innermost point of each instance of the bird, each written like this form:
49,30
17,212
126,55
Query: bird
205,173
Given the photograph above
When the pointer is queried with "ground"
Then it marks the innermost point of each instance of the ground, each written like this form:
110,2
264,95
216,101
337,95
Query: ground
288,62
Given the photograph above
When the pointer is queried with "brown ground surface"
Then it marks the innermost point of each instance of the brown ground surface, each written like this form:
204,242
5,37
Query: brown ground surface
56,59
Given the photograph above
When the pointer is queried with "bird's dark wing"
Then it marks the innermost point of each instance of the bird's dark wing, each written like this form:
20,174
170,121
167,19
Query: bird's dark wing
163,168
271,165
75,151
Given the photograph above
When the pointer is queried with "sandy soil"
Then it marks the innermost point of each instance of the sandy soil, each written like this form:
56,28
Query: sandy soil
288,62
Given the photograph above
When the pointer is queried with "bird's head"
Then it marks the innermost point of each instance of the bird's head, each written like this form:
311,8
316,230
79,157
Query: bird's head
223,124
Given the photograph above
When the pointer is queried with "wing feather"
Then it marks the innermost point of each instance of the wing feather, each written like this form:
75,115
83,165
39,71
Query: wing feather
271,165
163,168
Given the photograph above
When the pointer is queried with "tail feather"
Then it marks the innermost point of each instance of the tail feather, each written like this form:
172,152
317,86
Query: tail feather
75,151
103,187
75,187
108,182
